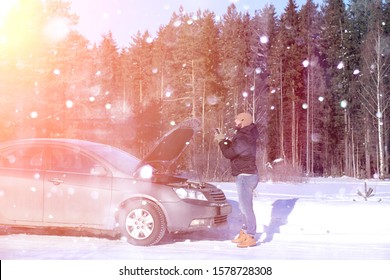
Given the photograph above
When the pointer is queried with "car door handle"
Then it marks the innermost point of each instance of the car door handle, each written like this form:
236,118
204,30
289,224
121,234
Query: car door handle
56,181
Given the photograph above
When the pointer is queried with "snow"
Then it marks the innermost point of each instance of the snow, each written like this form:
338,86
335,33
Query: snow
321,219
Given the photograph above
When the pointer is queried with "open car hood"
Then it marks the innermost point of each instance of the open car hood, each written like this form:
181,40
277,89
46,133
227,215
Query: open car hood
169,147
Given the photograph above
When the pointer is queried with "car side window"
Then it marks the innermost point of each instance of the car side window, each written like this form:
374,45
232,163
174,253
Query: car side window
69,160
20,157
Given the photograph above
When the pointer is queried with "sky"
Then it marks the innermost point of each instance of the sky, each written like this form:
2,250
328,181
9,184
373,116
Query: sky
124,18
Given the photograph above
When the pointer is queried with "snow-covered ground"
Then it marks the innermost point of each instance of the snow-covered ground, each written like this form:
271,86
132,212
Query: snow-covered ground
322,219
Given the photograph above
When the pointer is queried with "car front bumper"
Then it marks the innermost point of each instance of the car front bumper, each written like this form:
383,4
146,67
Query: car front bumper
195,216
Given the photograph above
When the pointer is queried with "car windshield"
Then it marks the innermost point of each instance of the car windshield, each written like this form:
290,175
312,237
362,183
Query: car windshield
120,159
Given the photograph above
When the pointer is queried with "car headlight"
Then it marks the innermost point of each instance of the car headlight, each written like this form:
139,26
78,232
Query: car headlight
189,194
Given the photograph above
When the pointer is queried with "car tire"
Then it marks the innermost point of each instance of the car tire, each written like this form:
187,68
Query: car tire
142,223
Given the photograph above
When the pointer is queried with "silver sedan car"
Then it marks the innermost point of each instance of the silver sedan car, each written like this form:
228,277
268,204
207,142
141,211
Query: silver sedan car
69,183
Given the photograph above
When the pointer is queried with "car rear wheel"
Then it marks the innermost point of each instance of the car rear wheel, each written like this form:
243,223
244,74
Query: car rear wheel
142,223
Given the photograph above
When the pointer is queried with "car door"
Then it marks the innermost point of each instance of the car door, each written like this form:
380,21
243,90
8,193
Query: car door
21,184
74,194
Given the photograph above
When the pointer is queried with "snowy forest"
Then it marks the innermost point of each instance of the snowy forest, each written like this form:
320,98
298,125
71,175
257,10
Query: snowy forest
315,78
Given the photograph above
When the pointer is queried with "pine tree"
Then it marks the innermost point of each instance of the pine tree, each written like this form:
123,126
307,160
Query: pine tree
139,94
275,132
335,54
67,85
211,85
358,12
108,72
164,47
234,61
314,87
375,91
263,26
291,63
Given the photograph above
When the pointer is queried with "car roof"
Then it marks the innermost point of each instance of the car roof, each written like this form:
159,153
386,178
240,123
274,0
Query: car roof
77,142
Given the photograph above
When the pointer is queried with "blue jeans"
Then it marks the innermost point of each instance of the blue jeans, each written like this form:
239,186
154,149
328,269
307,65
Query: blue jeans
246,184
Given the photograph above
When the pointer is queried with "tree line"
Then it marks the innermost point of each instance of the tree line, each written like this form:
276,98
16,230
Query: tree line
315,78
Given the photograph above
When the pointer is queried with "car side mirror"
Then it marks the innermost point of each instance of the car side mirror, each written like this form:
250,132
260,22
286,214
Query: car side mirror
99,170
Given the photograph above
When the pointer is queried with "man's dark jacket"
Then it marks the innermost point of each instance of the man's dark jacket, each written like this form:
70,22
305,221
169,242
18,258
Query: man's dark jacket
241,150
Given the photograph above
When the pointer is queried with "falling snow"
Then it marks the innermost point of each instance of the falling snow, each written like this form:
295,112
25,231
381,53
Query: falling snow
321,219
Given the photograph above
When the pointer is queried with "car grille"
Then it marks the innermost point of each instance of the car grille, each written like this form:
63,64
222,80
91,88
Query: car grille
217,196
220,220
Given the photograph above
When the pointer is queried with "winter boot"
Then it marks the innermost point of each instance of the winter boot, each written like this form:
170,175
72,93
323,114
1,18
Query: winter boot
240,237
249,241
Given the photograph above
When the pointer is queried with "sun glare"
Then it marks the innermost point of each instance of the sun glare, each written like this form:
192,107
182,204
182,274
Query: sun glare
19,25
6,5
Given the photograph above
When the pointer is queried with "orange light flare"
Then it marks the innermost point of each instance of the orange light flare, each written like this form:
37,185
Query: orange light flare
19,26
25,27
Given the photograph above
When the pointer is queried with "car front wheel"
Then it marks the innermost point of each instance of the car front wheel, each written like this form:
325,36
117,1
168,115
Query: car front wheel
142,223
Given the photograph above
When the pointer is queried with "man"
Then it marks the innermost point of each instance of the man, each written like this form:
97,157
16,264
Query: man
241,151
